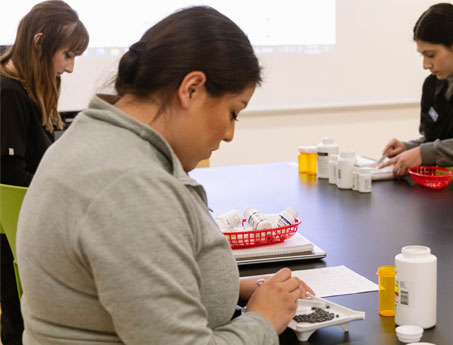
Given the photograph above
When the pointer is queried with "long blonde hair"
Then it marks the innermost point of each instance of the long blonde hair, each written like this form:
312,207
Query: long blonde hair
60,27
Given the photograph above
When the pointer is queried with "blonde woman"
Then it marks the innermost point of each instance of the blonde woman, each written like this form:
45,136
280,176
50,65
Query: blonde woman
48,39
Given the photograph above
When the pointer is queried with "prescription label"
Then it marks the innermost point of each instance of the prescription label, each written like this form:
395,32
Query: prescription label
402,295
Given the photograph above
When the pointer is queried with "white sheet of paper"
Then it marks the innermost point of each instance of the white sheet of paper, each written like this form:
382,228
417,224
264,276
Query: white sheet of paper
334,281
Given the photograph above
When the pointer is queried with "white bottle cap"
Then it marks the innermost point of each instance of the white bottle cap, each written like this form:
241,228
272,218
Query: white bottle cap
292,212
409,333
311,149
248,212
306,149
347,154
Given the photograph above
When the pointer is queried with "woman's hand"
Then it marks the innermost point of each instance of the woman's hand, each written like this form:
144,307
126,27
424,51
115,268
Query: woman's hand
393,148
304,289
248,285
404,161
276,298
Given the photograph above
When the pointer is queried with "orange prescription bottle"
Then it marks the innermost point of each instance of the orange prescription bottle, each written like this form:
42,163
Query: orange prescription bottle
302,160
386,276
312,157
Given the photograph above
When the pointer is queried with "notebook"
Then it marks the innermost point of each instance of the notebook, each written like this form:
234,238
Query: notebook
296,247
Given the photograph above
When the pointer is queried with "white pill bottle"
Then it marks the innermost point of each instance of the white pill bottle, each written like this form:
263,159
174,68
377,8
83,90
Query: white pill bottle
344,169
333,161
228,221
415,287
257,220
326,148
284,218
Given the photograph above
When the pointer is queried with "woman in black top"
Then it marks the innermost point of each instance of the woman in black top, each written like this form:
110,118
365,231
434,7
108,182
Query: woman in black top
434,38
48,39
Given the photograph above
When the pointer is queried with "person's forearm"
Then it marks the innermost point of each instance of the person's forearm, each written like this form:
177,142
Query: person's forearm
248,287
439,152
414,143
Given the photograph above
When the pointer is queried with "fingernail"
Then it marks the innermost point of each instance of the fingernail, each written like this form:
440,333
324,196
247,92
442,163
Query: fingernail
260,281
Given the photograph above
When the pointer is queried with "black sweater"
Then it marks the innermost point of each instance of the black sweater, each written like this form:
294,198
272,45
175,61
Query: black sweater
23,139
436,120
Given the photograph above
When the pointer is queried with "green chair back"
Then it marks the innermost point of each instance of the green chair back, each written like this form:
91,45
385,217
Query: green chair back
11,198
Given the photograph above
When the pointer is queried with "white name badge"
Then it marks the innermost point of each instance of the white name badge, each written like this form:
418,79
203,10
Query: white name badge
433,113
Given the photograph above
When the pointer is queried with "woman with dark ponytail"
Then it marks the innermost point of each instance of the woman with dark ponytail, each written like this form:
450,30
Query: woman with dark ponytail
136,257
433,33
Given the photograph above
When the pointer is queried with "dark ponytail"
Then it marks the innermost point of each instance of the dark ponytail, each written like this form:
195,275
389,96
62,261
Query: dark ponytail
128,67
192,39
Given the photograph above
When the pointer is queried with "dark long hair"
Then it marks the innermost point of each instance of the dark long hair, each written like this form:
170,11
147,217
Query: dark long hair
60,27
435,25
192,39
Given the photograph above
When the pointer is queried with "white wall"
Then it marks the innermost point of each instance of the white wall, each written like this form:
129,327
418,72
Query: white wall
276,136
374,61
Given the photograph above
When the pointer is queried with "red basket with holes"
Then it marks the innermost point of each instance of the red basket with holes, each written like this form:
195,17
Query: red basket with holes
431,177
255,238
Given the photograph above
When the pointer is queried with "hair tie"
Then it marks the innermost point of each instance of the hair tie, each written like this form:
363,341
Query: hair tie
136,48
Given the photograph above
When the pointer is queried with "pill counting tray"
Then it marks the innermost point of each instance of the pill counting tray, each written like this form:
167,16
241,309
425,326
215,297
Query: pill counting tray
304,329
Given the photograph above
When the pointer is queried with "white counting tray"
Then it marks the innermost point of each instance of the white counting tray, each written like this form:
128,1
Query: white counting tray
304,329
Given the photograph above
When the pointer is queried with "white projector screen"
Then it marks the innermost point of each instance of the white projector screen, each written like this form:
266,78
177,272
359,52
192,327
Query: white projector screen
287,27
118,24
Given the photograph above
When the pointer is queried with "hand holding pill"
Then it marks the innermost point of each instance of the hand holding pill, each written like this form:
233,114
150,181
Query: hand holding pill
276,298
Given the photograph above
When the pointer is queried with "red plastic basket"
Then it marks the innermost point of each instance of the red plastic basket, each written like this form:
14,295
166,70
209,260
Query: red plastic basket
255,238
431,177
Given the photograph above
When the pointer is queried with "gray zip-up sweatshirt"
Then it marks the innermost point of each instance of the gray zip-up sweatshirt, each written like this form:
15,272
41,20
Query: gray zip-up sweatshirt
437,152
116,245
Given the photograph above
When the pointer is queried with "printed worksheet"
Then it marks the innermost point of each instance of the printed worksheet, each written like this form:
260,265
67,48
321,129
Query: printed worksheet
334,281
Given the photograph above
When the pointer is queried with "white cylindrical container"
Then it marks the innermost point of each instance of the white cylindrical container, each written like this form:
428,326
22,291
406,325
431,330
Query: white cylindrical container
364,180
286,217
355,176
344,169
257,220
326,148
333,160
229,220
415,287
